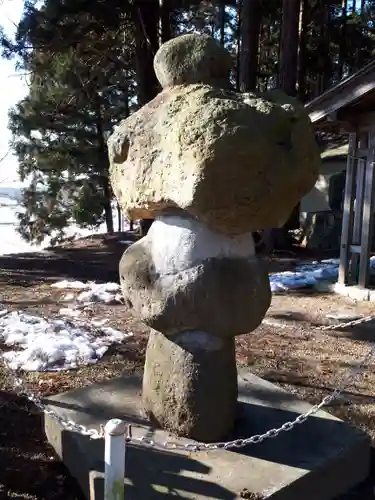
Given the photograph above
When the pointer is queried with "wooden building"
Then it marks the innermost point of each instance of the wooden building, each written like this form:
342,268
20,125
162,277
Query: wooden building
349,107
317,200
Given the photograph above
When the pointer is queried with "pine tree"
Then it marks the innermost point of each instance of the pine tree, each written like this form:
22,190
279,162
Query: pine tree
77,94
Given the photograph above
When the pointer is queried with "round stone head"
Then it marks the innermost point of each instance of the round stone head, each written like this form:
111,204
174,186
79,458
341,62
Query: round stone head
190,59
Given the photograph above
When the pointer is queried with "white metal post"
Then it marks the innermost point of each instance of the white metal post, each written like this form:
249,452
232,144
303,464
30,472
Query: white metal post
114,458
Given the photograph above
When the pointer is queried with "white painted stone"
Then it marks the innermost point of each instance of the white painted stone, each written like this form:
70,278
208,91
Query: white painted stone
178,243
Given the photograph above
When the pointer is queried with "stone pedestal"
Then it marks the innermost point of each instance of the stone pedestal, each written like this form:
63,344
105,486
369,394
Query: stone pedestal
318,460
190,384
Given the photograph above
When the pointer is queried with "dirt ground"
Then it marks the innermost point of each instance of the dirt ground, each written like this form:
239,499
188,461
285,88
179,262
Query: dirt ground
290,350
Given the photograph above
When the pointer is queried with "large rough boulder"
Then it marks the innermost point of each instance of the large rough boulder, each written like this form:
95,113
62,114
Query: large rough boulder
238,162
181,277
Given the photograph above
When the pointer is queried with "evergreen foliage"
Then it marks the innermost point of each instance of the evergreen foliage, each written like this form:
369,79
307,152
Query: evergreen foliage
89,65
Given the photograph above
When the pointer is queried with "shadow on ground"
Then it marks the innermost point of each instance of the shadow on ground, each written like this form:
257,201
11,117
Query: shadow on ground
29,468
94,258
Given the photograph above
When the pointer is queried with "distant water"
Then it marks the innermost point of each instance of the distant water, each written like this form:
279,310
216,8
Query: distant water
11,241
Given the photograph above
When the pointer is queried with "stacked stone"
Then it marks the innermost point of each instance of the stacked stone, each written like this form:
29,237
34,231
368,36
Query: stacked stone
211,166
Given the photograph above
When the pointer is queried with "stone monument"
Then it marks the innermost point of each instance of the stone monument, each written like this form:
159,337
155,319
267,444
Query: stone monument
211,165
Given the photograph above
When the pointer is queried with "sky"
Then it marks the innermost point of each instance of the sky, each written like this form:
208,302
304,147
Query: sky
13,88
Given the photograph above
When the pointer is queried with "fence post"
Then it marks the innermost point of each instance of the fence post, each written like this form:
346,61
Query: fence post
114,458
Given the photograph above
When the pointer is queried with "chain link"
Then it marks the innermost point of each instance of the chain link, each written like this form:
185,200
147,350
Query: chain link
350,377
348,324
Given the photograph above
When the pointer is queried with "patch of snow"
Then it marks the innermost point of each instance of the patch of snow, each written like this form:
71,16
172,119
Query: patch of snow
71,285
70,312
305,275
105,293
69,297
53,345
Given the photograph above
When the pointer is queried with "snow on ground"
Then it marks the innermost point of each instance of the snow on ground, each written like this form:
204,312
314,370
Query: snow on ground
308,274
305,275
38,344
90,292
61,344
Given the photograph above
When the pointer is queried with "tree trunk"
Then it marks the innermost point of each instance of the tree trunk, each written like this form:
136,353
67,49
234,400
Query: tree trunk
289,46
222,14
342,48
277,237
165,21
103,162
119,218
148,15
107,204
251,17
238,37
364,26
325,35
146,21
302,59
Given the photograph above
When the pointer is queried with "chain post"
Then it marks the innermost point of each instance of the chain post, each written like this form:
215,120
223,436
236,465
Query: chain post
114,459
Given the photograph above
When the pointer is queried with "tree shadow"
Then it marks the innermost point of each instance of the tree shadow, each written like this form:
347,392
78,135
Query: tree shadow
27,465
345,398
289,316
97,260
364,332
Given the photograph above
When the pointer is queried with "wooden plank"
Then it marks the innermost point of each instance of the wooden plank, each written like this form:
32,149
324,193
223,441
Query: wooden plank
361,155
341,95
368,209
348,210
358,202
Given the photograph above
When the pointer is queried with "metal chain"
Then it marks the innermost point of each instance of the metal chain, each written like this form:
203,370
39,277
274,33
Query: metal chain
337,326
36,400
355,322
350,377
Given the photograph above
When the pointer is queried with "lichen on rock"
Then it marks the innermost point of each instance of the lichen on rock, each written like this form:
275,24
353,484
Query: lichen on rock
237,161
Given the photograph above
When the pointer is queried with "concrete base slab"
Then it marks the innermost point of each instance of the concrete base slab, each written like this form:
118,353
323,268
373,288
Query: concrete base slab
353,292
318,460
